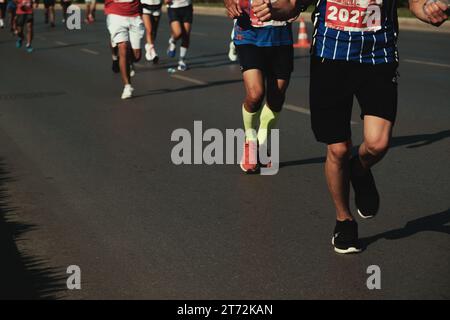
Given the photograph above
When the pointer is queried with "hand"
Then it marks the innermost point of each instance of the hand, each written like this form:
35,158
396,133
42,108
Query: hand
234,9
262,10
168,2
435,11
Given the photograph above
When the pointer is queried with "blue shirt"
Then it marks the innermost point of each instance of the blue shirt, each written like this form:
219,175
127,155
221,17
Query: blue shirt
248,30
363,31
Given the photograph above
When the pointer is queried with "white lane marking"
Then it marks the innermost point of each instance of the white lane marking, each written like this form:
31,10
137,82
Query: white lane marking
306,111
188,79
89,51
60,43
428,63
297,109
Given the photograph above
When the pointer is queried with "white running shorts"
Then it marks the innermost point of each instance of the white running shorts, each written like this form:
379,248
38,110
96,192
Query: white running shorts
125,29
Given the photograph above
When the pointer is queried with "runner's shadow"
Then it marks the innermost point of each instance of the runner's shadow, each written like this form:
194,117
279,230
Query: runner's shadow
437,222
420,140
22,276
302,162
414,141
188,88
65,46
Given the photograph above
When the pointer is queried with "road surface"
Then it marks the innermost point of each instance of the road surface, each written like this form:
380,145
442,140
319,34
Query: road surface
87,180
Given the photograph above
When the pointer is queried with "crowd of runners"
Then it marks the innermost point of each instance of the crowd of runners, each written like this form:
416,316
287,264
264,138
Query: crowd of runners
354,54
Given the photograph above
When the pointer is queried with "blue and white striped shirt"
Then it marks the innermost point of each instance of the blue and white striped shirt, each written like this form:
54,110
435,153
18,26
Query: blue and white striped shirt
363,31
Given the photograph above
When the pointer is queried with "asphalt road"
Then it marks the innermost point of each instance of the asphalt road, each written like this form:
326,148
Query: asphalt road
87,179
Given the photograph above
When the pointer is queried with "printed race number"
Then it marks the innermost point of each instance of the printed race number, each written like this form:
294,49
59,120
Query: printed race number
354,15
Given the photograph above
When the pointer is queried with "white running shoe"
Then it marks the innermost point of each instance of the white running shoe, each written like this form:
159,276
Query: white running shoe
150,53
172,49
132,71
127,92
2,24
182,66
232,54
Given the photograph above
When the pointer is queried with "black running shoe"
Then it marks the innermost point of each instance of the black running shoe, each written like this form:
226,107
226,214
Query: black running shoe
115,66
345,238
367,199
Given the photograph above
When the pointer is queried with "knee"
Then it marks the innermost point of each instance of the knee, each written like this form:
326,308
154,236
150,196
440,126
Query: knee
378,146
123,49
254,99
137,55
339,152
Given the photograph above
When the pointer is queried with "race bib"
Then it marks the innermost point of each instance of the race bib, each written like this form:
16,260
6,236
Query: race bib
354,15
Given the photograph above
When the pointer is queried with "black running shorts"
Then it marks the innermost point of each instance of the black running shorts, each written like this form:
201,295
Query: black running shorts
276,62
183,14
23,19
49,3
332,88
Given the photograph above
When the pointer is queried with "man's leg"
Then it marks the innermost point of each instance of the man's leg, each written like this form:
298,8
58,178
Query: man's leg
148,28
176,33
30,31
19,30
377,135
185,41
254,88
276,94
337,172
124,62
51,14
154,19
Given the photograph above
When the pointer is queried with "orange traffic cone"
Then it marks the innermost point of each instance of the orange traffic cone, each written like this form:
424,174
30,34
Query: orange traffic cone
302,41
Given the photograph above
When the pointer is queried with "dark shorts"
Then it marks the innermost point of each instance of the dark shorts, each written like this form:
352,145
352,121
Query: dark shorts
276,62
23,19
11,6
333,85
184,14
49,3
65,4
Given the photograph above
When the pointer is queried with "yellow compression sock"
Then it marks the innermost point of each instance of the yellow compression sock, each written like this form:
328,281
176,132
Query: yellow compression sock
267,121
250,120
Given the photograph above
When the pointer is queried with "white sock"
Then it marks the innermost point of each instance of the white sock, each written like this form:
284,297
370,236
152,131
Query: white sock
172,44
183,52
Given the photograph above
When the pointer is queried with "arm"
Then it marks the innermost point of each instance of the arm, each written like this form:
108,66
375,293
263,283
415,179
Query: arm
429,12
280,10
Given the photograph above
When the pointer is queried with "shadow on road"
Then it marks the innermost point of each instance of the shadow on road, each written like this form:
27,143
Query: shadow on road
436,222
414,141
420,140
188,88
64,46
21,276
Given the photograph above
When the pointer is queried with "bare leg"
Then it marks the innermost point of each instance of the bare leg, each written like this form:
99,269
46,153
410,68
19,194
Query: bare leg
337,174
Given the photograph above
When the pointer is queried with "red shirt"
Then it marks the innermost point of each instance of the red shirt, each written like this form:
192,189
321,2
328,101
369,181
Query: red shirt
127,8
24,7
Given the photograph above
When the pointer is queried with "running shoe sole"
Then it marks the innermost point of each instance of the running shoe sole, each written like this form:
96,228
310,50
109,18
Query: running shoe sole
365,217
256,170
345,251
